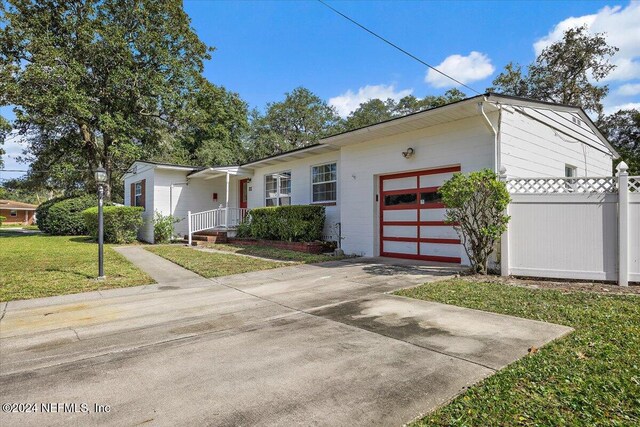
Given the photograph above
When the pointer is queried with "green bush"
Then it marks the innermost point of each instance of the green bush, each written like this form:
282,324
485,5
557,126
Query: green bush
300,223
2,218
163,227
121,223
63,216
476,204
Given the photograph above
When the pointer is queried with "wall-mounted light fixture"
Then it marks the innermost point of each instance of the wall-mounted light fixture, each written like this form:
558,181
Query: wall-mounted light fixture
408,153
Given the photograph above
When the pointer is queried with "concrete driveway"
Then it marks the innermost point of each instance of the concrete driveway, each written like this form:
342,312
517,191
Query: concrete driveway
314,344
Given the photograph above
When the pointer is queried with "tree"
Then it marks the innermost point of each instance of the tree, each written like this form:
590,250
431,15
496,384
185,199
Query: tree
476,205
370,112
97,82
300,120
623,131
217,125
563,72
375,110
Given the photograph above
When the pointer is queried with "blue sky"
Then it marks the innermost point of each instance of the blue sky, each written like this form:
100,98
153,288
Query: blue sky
264,49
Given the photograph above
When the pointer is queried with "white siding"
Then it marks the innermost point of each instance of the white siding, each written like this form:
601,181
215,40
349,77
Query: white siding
300,185
197,196
467,142
530,148
143,171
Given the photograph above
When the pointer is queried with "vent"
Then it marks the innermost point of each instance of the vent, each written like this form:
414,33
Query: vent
576,120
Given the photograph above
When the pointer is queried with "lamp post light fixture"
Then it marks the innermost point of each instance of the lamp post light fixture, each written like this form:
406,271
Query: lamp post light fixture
101,179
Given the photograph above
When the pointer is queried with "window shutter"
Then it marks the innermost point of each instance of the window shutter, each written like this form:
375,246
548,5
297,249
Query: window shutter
143,191
132,195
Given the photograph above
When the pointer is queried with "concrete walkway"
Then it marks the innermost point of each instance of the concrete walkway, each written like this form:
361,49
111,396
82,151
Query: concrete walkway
307,344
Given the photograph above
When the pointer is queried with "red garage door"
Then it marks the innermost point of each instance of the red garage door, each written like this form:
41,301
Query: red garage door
412,217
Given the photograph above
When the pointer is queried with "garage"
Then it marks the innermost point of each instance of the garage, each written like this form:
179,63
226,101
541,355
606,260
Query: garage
412,217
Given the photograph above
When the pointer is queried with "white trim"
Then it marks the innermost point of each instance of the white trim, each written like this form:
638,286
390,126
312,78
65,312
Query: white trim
563,274
323,182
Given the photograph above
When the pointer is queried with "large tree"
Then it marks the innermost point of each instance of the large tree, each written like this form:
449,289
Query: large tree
623,131
375,110
300,120
97,82
565,72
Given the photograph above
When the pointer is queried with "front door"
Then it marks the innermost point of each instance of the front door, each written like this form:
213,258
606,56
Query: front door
244,184
412,217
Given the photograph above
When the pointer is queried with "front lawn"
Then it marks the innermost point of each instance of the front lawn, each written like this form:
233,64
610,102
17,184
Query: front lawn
211,264
591,377
39,265
274,253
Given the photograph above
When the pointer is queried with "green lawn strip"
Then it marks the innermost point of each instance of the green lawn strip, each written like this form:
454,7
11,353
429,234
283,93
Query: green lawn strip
211,264
274,253
39,265
591,377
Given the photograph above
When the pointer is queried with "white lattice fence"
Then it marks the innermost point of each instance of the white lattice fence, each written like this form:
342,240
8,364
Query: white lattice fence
562,185
634,184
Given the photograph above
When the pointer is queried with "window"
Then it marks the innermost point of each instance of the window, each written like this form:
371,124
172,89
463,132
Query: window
138,195
324,183
277,189
570,171
13,212
400,199
430,197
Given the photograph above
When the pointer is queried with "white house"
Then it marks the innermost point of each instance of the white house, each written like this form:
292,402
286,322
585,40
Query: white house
380,182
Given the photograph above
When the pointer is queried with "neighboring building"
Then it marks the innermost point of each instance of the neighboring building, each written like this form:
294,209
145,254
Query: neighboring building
17,212
380,182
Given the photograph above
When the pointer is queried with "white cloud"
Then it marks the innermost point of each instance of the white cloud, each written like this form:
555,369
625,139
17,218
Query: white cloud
349,101
616,108
629,89
622,30
466,69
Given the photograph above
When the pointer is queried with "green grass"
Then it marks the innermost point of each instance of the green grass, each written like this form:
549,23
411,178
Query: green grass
25,227
591,377
38,265
210,264
274,253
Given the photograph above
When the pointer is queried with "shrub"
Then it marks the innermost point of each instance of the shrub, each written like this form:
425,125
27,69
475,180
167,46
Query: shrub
476,203
63,216
300,223
2,218
163,227
121,223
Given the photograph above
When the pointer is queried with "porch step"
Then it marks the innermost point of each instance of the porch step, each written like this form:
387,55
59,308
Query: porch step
207,236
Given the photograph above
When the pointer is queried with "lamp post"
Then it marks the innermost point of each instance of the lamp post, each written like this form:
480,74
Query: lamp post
101,179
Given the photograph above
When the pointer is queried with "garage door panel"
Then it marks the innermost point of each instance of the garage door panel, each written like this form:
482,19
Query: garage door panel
399,183
408,248
436,249
432,214
435,180
400,231
438,232
400,215
412,217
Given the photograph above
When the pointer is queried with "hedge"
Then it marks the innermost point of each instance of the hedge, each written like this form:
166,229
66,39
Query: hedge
121,223
299,223
2,218
63,216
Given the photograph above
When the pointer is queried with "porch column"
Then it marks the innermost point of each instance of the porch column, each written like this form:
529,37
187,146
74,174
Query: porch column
226,204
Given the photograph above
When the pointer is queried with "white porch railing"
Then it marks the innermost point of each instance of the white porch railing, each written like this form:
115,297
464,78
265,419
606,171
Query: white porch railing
215,218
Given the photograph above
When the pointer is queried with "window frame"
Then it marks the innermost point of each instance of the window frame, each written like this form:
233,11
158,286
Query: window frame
13,213
137,186
278,193
324,202
573,169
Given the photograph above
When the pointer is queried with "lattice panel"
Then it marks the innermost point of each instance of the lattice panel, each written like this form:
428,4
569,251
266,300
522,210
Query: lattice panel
634,184
562,185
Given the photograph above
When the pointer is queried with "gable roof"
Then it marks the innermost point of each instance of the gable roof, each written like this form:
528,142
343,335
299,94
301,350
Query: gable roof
12,204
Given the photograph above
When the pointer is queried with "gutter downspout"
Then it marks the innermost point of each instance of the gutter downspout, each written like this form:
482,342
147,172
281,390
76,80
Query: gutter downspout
496,134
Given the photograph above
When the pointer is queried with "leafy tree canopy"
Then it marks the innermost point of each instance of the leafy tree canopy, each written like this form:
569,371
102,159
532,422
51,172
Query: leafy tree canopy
301,119
563,72
97,81
376,110
623,131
